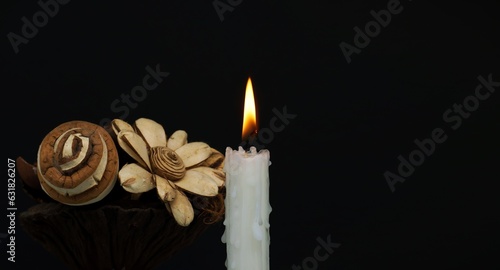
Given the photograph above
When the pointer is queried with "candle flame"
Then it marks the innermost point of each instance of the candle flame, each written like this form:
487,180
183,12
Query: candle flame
249,113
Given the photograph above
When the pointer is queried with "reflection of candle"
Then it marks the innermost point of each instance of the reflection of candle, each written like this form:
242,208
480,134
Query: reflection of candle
247,200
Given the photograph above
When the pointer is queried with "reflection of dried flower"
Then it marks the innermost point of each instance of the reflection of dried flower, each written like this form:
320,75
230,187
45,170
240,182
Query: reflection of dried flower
172,166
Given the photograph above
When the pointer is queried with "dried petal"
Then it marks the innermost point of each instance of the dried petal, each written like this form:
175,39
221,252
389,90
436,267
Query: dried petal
177,139
151,131
135,146
198,183
218,176
119,125
165,188
215,160
181,209
135,179
194,153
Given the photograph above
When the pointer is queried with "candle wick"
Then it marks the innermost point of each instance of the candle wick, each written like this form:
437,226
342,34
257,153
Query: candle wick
253,135
249,140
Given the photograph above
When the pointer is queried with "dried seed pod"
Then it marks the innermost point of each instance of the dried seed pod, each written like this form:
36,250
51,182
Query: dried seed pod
175,166
166,163
77,163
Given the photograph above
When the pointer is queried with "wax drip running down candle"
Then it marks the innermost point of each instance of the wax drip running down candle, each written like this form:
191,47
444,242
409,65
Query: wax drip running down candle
247,209
247,205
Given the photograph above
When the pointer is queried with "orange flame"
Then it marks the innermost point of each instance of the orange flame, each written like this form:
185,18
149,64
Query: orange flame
249,113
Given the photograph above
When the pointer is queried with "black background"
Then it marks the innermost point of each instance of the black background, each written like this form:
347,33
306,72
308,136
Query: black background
352,119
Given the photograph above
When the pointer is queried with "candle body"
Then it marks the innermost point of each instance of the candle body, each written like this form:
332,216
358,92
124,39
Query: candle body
247,209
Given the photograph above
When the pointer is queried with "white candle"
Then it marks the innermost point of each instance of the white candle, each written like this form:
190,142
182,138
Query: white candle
247,199
247,209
